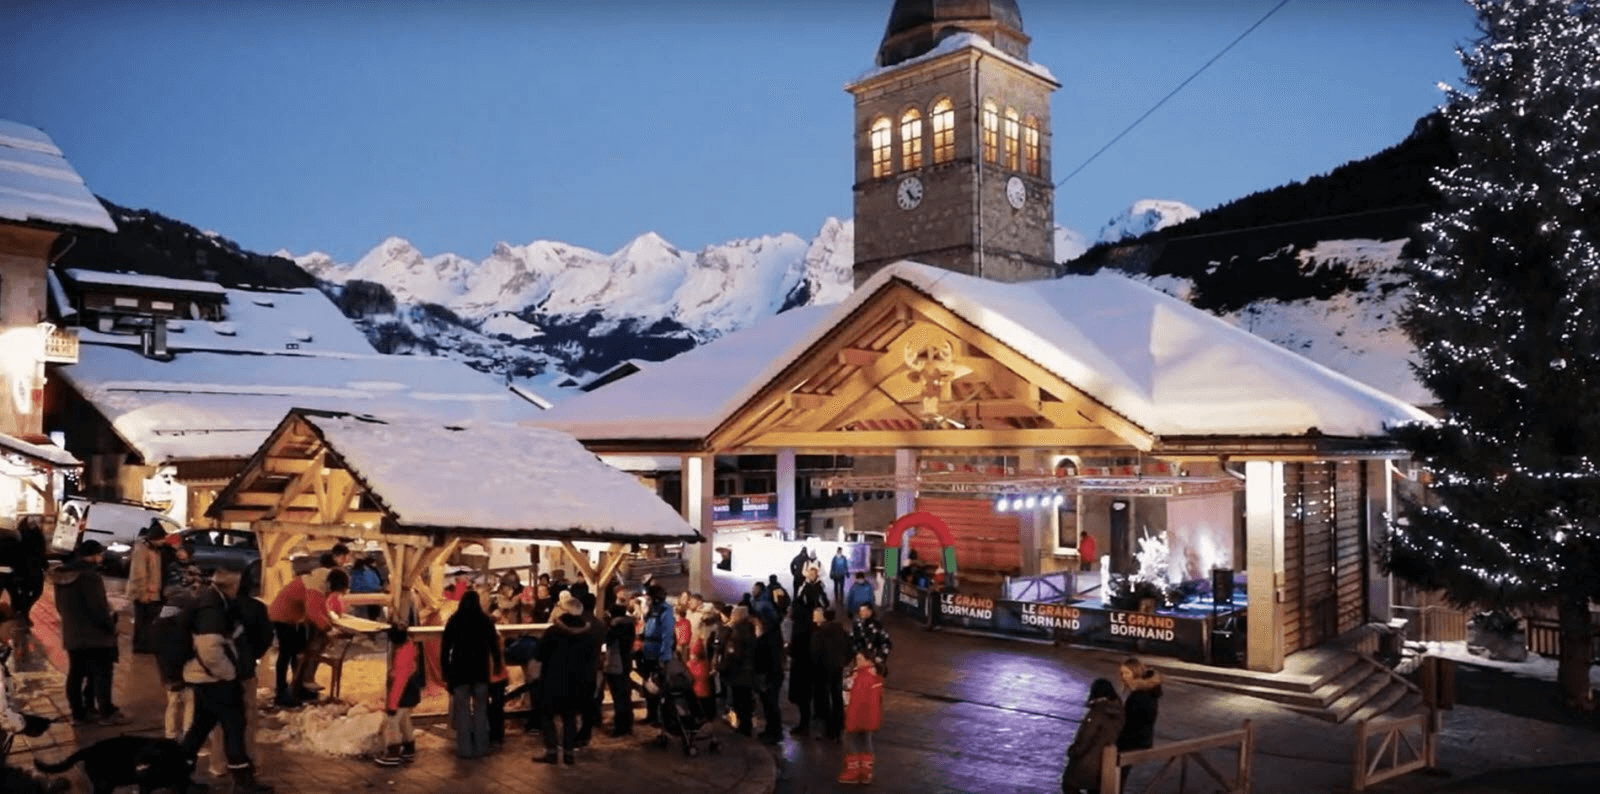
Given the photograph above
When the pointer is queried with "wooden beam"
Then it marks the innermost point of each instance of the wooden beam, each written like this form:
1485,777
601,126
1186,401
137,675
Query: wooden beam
285,465
582,561
342,532
856,357
614,555
299,485
341,490
941,439
805,402
1131,434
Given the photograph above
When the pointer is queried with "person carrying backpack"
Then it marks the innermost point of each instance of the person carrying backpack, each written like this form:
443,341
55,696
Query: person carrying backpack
214,672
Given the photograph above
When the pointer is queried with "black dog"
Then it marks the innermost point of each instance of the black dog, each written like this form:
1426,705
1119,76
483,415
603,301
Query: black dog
150,764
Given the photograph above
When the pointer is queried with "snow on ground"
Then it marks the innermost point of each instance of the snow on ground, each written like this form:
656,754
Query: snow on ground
508,324
1536,666
337,729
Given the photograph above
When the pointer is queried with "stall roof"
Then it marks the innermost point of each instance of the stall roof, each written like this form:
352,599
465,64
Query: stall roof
40,452
38,185
501,480
1173,370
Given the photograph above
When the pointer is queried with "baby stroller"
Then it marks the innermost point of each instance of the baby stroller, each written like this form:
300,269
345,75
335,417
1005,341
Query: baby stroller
681,715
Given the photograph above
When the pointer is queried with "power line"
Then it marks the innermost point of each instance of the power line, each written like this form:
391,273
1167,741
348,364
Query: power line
1301,222
1173,92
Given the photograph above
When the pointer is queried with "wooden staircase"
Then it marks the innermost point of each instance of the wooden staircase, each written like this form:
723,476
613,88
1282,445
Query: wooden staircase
1328,683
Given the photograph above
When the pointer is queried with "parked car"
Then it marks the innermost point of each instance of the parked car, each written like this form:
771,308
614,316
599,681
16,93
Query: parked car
229,550
117,525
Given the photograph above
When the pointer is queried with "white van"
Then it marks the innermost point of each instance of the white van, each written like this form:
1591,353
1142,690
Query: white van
116,525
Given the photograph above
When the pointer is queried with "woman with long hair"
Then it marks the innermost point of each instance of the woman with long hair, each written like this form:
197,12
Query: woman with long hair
1098,731
469,651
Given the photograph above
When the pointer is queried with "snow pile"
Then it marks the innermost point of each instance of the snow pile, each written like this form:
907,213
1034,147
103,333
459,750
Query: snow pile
1170,368
1540,667
1143,217
337,729
713,291
38,185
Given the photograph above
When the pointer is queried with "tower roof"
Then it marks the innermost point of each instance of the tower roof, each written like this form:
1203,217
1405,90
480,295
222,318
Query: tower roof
916,26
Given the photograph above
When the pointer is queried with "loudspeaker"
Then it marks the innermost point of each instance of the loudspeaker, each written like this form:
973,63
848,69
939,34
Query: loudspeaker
1222,587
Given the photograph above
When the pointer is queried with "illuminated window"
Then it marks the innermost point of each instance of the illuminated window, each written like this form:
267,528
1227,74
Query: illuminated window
1030,146
991,133
882,157
944,131
911,140
1013,140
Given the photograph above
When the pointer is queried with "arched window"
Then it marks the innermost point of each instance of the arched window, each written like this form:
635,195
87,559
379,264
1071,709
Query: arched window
911,140
882,154
944,131
1013,140
1030,146
991,133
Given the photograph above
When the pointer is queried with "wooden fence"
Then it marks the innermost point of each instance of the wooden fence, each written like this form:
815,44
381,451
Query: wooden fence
1405,745
1433,623
1544,637
1181,755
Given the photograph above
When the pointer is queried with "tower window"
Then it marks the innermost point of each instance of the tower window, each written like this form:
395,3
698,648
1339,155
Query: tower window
1013,140
882,155
1030,146
944,131
991,133
911,140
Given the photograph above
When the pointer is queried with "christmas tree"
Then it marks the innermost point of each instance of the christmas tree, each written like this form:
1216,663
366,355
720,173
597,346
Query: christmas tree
1506,317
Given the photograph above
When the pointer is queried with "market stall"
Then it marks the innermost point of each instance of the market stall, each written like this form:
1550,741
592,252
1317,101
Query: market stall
420,490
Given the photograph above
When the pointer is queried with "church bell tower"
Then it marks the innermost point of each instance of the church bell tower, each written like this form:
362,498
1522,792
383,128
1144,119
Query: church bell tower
952,133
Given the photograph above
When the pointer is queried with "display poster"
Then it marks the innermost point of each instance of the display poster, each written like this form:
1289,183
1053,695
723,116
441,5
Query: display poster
1183,637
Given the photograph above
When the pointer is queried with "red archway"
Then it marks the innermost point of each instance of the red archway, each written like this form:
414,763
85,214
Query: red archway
908,522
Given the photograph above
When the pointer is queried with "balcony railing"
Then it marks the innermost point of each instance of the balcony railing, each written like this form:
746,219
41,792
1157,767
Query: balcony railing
61,346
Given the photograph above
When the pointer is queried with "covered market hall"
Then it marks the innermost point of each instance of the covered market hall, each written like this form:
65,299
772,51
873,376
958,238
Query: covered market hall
1015,424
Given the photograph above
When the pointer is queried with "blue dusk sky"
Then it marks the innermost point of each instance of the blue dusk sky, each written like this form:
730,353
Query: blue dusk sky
332,125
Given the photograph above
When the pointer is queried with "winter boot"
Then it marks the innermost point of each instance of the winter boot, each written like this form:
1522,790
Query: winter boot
389,757
852,768
866,767
244,781
408,751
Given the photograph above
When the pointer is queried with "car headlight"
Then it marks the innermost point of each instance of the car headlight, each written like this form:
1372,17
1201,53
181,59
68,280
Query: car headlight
119,548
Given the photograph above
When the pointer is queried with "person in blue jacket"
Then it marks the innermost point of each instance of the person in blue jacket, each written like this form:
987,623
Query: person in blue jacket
860,593
838,571
657,646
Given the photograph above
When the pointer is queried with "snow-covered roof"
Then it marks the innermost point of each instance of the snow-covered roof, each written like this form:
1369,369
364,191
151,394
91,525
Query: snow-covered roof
209,404
956,43
45,453
499,478
1173,370
144,281
38,185
291,322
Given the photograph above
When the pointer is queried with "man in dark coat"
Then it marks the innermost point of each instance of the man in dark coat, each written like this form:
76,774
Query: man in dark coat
830,653
767,667
215,674
618,666
797,567
89,635
567,656
1139,708
738,667
24,555
810,598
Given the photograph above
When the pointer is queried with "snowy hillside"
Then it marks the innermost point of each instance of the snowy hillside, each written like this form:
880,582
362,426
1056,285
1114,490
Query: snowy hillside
1143,217
1353,332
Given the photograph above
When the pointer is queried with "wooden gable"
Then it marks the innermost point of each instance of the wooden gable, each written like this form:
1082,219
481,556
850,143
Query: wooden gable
902,371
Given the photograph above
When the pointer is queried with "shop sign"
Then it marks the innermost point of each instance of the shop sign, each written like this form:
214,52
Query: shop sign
743,508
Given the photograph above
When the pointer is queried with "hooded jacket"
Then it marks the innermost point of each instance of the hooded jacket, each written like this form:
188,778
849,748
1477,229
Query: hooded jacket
215,656
1099,730
619,645
1139,712
86,617
657,633
567,653
859,593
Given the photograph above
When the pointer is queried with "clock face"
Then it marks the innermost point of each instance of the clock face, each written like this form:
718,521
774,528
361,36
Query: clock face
909,193
1016,192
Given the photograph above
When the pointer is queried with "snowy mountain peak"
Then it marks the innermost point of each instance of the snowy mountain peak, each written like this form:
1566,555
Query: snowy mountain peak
1143,217
647,245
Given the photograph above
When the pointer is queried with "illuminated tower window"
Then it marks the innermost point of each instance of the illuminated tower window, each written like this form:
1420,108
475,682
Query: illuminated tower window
911,140
944,131
882,158
1030,146
1013,140
991,133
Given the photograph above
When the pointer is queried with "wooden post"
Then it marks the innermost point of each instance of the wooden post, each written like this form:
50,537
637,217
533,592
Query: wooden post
1247,758
1360,781
1110,771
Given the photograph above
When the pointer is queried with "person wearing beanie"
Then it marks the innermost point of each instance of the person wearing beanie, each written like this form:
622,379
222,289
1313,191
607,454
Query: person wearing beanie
89,635
617,665
146,566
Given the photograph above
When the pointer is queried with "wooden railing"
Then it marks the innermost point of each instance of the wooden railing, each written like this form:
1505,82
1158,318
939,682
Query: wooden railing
1433,623
1181,755
1406,744
1544,637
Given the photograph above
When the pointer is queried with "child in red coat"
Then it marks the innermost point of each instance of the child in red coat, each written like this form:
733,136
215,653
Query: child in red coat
863,714
406,680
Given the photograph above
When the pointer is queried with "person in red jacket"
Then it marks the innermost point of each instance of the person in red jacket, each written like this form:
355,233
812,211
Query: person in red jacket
1086,551
863,714
295,612
406,679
